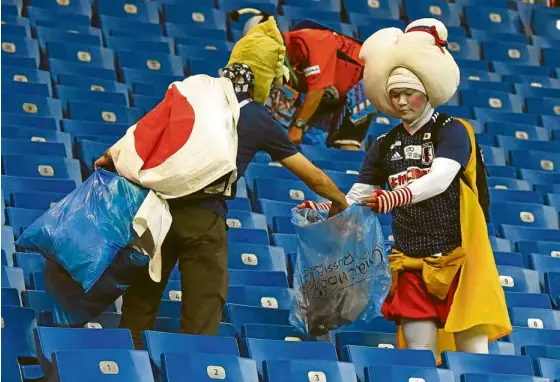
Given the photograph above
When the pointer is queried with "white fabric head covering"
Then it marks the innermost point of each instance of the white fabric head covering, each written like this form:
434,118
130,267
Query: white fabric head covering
421,50
404,78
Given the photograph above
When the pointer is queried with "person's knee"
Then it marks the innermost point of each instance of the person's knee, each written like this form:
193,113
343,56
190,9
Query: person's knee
420,334
473,340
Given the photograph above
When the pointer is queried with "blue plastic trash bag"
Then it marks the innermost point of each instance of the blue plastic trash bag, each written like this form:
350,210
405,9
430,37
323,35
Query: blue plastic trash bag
341,273
87,239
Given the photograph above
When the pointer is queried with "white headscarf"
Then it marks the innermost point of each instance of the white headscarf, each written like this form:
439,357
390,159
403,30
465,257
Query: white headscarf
404,78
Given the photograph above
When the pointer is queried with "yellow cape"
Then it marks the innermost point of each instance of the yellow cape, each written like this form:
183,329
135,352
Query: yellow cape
479,299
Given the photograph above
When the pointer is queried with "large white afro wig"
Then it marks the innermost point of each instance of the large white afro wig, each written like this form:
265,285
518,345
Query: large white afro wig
421,49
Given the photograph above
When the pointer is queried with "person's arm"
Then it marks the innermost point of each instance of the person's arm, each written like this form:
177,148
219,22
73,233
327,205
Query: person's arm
316,180
303,115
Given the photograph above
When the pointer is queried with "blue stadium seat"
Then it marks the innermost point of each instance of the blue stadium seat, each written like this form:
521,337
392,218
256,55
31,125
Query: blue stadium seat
158,343
53,18
239,204
524,214
201,15
528,90
174,367
517,196
363,356
67,94
58,67
16,30
534,318
18,184
441,10
528,336
548,106
516,233
19,61
38,300
474,75
550,57
508,259
143,80
407,373
256,257
102,365
145,103
123,27
10,73
38,135
534,160
552,287
157,62
20,218
33,105
17,330
527,300
103,113
240,315
273,208
346,167
542,247
464,48
189,52
13,87
29,263
518,131
85,129
320,153
479,65
548,368
265,297
42,166
93,56
162,45
78,7
491,99
92,37
485,115
10,296
461,363
262,278
511,52
299,13
90,83
284,190
249,236
544,22
553,200
295,370
51,340
141,12
538,351
508,184
287,241
543,263
511,143
486,36
383,9
494,19
282,224
106,320
494,156
23,147
20,47
265,350
502,171
515,279
273,332
486,85
245,219
370,339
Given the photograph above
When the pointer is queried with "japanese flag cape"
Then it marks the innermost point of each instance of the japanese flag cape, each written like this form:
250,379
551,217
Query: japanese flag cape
186,143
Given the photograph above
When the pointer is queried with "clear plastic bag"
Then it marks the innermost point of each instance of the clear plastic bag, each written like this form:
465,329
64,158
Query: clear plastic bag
342,273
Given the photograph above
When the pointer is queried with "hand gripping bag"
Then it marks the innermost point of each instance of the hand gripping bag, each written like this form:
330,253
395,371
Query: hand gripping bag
91,246
342,273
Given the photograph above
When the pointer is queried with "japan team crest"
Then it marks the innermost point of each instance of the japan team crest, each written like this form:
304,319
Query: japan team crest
427,153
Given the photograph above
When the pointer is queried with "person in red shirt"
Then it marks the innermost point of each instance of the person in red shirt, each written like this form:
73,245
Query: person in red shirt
325,65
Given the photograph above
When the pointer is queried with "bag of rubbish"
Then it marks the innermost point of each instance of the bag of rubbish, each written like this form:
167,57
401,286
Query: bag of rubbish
342,273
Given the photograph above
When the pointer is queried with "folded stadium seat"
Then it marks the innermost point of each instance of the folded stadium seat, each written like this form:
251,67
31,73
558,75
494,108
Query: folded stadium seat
286,241
265,350
516,196
482,65
89,151
535,160
282,224
485,85
534,80
196,52
544,42
103,113
545,22
548,106
264,171
123,27
514,279
173,325
20,47
241,277
552,287
383,119
494,156
29,147
513,69
139,12
11,8
491,99
553,200
21,218
527,336
273,332
284,190
550,121
51,340
321,153
102,365
300,13
486,115
148,82
38,300
363,356
256,257
17,330
534,318
368,26
516,233
407,373
210,67
13,87
84,128
249,236
461,363
547,368
272,209
18,74
198,366
118,44
517,130
500,20
550,248
29,263
10,297
264,297
81,7
508,259
51,35
438,9
543,263
55,18
241,188
315,370
382,9
37,135
11,184
370,339
245,219
12,277
57,67
19,61
155,62
93,56
209,39
68,94
328,5
339,166
516,53
541,351
240,315
479,75
527,300
239,204
511,143
195,15
486,36
32,105
528,90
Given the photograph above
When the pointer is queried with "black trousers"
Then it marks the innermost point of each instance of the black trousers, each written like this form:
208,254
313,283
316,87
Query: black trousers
198,240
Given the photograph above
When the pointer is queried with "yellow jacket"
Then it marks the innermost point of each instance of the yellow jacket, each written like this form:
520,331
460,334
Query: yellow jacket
479,299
